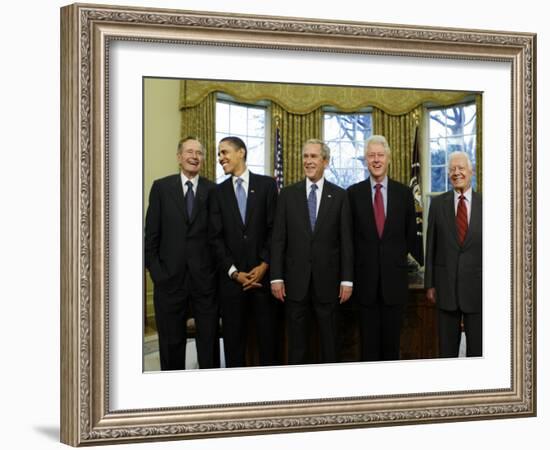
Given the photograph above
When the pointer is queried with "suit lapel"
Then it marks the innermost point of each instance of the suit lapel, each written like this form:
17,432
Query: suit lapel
200,198
326,202
251,196
390,206
176,189
369,209
475,208
450,216
301,202
231,199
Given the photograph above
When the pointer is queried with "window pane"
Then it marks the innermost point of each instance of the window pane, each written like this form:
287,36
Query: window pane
455,120
331,127
455,145
238,123
439,179
247,123
437,124
222,117
364,128
470,119
345,134
470,148
437,152
258,169
256,122
256,151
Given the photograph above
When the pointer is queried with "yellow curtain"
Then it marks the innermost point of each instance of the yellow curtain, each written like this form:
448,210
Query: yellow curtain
305,98
295,129
399,131
200,121
479,142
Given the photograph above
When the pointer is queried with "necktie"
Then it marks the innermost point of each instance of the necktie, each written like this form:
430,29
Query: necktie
241,198
312,206
461,220
189,198
379,215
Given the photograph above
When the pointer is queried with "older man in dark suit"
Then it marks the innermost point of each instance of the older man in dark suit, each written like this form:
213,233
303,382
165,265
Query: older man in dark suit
241,219
454,260
384,233
179,261
312,255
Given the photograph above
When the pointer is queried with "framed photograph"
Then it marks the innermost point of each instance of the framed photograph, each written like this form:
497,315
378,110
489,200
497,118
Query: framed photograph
106,53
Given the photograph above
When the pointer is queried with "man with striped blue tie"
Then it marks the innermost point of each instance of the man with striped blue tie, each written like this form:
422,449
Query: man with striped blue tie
312,255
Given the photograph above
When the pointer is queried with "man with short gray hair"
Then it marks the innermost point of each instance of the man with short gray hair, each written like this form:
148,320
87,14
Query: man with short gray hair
453,277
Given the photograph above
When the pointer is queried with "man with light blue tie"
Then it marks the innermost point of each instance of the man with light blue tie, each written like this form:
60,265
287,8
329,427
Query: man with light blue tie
242,212
312,256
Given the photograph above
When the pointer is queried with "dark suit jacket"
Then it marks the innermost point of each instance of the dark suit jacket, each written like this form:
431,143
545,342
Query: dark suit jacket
244,245
454,271
382,259
175,243
325,254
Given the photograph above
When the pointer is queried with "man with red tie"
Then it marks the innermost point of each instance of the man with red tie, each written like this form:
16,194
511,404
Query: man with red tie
454,260
384,224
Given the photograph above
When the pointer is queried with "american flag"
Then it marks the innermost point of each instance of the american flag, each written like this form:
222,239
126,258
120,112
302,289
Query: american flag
278,162
414,184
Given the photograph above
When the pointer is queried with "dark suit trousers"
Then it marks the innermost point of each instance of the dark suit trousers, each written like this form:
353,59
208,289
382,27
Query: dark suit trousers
380,327
171,313
450,331
236,313
298,315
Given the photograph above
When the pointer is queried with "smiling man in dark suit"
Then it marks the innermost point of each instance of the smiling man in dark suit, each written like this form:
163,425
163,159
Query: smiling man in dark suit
179,261
241,219
384,233
454,260
312,255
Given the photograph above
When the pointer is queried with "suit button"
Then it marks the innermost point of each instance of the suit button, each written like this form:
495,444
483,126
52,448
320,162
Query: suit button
245,237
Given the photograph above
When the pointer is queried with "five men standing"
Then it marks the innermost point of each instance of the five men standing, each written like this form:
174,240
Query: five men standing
309,248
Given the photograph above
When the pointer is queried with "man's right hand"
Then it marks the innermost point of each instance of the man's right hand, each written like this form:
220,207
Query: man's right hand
278,290
430,295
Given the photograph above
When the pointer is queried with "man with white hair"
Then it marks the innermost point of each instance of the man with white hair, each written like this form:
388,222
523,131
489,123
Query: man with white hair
454,260
384,233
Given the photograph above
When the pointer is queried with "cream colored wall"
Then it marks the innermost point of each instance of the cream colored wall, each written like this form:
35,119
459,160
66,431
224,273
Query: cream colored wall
161,131
161,126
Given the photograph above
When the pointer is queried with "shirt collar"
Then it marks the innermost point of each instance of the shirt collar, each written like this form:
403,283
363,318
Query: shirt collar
245,177
384,182
467,194
194,180
319,183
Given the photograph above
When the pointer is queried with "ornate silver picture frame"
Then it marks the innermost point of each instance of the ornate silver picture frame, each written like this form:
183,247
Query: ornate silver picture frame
87,35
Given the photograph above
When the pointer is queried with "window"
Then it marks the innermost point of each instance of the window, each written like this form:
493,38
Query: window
450,129
248,123
345,134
